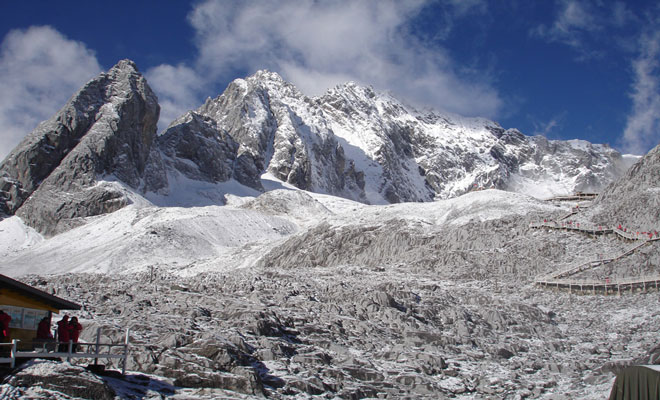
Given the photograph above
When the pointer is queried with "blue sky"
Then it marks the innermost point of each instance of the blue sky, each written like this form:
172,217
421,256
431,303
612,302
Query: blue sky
565,69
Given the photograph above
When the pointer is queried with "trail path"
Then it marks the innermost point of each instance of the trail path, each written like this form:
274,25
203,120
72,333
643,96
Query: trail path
560,278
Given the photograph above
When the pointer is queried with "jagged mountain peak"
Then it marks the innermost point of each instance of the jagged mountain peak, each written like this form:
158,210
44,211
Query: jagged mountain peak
125,65
105,129
352,89
266,75
352,142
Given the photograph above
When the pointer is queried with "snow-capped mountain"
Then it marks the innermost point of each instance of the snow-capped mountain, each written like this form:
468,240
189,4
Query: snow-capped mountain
101,150
355,143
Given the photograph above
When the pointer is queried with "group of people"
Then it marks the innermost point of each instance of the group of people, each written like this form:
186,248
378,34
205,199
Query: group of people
67,330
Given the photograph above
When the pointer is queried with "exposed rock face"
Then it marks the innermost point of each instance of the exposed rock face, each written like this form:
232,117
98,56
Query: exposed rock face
271,121
107,128
50,379
351,142
197,148
355,143
634,199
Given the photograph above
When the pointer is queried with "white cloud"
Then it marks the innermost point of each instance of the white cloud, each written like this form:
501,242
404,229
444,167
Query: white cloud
574,22
590,27
547,128
178,91
317,45
642,129
39,70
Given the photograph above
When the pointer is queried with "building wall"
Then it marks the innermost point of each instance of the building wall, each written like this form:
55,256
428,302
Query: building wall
25,316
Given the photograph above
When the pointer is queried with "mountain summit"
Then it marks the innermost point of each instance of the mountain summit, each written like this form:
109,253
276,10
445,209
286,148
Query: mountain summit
104,132
101,148
355,143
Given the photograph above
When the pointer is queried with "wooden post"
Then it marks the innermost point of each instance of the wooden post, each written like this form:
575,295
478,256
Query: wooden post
123,367
12,353
98,342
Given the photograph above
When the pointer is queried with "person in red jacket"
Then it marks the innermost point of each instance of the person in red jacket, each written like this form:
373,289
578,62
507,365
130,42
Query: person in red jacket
74,332
4,331
63,334
5,319
43,330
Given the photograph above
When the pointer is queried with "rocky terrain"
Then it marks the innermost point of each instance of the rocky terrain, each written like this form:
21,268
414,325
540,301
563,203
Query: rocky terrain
356,332
401,301
236,283
636,190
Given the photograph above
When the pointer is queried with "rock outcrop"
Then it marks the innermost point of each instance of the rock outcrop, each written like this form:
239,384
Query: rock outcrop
634,199
106,130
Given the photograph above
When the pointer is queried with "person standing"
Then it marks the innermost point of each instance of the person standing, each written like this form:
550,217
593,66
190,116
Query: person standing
5,319
63,334
43,329
74,331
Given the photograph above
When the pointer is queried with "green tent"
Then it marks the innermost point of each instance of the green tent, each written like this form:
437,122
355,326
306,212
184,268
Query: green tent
640,382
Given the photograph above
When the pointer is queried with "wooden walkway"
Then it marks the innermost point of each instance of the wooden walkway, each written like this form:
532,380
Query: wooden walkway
595,229
574,197
93,351
619,286
559,278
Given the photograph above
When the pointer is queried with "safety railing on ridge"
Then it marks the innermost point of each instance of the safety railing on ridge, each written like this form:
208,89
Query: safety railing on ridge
585,265
617,285
556,278
596,229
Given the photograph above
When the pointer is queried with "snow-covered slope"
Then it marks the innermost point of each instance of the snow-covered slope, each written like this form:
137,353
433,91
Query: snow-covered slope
280,295
136,238
193,240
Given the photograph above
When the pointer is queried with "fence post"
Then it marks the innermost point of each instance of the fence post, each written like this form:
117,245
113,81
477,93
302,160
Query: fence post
98,342
13,353
123,366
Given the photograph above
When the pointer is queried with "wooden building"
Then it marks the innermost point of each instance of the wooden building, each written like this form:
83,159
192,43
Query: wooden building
27,306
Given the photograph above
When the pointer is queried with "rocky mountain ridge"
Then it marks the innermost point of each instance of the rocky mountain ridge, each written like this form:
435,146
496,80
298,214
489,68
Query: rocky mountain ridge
53,177
101,151
355,143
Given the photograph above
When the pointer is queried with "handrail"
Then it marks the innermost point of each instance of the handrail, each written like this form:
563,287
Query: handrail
554,278
619,282
14,353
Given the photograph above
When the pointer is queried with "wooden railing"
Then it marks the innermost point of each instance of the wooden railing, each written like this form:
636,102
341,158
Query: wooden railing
619,285
574,197
557,278
49,349
594,229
